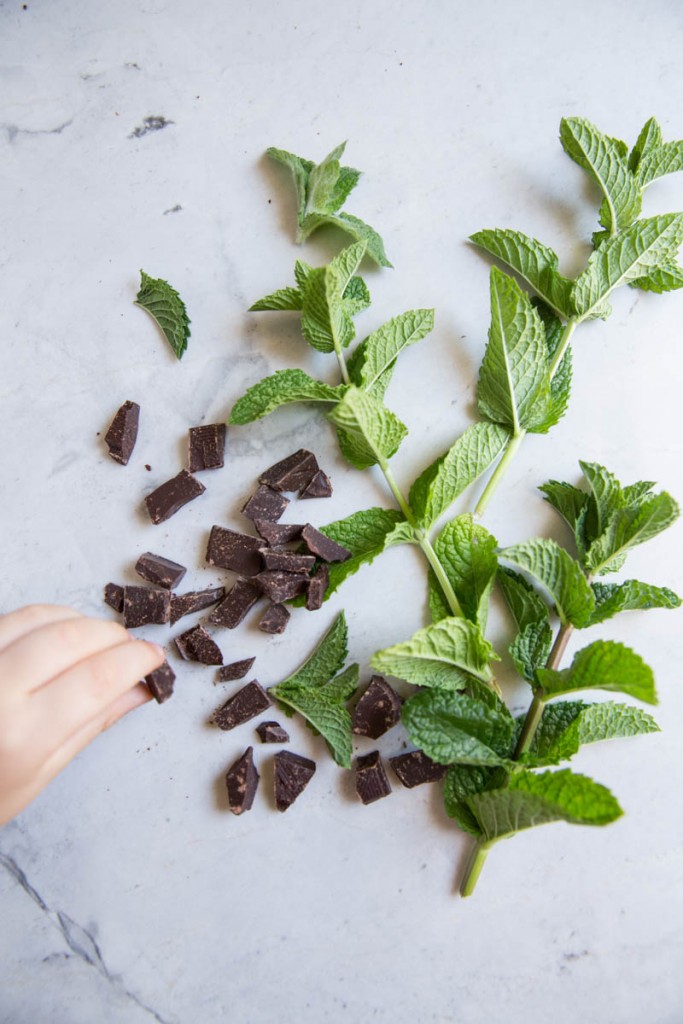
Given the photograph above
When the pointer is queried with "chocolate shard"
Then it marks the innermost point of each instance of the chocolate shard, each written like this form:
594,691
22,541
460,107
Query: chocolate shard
248,702
278,533
265,503
236,551
275,620
160,682
169,497
378,709
281,586
320,545
242,781
292,774
318,487
272,732
415,768
113,596
123,432
288,561
293,473
238,601
196,645
159,570
371,779
194,601
317,588
145,605
235,670
206,447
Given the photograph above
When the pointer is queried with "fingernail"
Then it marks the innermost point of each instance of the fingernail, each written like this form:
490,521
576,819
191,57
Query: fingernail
159,649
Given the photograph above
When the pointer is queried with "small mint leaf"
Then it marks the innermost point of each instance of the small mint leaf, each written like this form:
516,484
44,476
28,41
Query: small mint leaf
557,572
530,649
658,161
467,553
443,655
527,606
534,262
650,137
372,432
606,161
453,729
165,306
462,781
281,388
632,595
283,299
603,665
366,535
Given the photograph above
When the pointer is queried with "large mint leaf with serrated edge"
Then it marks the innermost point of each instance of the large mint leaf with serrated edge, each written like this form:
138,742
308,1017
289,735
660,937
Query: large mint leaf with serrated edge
565,726
650,137
463,780
561,381
530,649
467,552
527,606
453,729
534,262
167,309
443,655
326,660
603,665
557,572
365,534
629,527
606,160
531,799
631,595
375,357
282,299
282,388
373,432
666,158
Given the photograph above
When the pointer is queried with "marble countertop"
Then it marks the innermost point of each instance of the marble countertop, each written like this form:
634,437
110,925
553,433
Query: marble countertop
128,893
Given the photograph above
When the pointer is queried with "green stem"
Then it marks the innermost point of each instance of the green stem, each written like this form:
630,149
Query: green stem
499,472
533,715
569,329
342,363
474,866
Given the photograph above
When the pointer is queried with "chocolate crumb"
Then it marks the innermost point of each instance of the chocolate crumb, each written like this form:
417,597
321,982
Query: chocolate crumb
160,682
371,779
196,645
292,774
242,781
235,670
272,732
148,467
378,709
415,768
248,702
123,432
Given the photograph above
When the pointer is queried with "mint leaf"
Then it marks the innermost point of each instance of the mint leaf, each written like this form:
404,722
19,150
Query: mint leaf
530,649
453,729
558,573
325,323
443,655
534,262
606,161
300,169
372,432
514,383
467,553
322,195
463,780
660,160
650,137
665,279
362,232
283,299
612,598
373,361
631,526
527,606
281,388
167,309
565,726
346,263
561,381
325,661
365,534
569,501
325,712
605,499
439,607
603,665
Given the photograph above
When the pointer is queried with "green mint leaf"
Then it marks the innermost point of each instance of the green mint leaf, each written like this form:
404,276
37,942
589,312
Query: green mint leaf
566,499
375,357
300,169
660,160
514,383
534,262
325,323
530,649
371,431
462,781
527,606
454,729
557,572
167,309
325,661
632,595
603,665
362,232
302,273
649,138
565,726
320,193
467,553
448,476
281,388
284,298
439,607
606,161
346,263
629,527
561,382
605,499
356,296
326,714
531,800
665,279
365,534
444,656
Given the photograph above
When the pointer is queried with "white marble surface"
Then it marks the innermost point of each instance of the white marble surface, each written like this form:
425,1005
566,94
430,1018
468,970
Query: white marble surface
128,893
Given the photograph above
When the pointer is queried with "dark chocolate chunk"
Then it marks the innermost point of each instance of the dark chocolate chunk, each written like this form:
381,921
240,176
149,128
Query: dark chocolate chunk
159,570
275,620
206,447
242,780
160,682
288,561
317,588
281,586
113,596
248,702
378,709
265,503
320,545
278,533
272,732
168,498
196,645
235,670
415,768
371,779
318,487
144,605
194,601
292,473
292,774
236,551
238,601
123,432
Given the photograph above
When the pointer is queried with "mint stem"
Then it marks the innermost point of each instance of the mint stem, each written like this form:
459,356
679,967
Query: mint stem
474,867
533,715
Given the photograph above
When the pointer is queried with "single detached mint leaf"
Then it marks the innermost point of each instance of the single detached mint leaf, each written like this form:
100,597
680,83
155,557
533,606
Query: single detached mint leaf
325,661
660,160
443,655
165,306
462,781
374,433
558,573
527,606
534,262
467,553
603,665
454,729
606,161
530,649
632,595
365,534
650,137
629,527
283,299
565,726
325,712
282,388
375,357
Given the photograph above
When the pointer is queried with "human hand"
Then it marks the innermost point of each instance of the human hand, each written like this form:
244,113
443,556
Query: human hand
64,678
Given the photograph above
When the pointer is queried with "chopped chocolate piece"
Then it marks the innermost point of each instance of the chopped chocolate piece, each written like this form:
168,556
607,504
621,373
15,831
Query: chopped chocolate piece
272,732
288,561
169,497
265,503
378,709
242,780
148,467
159,570
281,586
248,702
143,605
318,487
196,645
292,774
113,596
235,670
123,432
320,545
160,682
275,620
278,533
292,473
236,551
371,779
317,588
238,601
194,601
415,768
207,447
